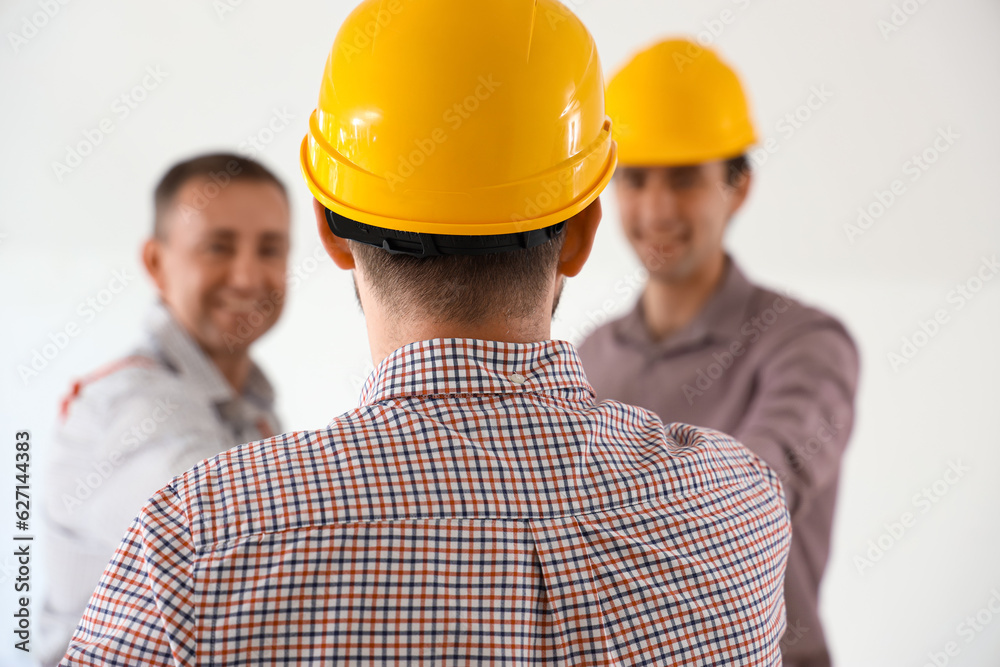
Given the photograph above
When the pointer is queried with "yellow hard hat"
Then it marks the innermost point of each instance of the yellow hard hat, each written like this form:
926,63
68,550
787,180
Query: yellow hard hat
458,118
677,103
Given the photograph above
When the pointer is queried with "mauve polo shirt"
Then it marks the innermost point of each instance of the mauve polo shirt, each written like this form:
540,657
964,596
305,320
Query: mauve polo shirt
778,376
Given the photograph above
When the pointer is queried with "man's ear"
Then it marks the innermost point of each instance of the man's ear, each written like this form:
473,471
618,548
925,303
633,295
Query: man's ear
739,191
337,248
152,259
580,232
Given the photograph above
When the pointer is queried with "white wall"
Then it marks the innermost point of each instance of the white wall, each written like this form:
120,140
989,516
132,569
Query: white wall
227,74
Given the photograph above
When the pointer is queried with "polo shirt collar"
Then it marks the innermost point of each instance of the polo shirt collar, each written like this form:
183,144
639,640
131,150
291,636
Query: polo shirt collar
182,353
720,318
450,366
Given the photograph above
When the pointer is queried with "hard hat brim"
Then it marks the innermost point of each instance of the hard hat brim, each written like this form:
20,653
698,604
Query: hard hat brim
595,164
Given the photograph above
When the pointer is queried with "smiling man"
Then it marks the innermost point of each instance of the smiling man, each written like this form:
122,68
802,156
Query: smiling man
189,390
704,345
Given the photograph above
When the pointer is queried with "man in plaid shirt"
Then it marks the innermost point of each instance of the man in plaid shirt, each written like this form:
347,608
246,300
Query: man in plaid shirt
478,506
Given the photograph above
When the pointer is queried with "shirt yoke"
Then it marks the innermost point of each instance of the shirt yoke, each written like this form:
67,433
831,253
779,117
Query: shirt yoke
386,463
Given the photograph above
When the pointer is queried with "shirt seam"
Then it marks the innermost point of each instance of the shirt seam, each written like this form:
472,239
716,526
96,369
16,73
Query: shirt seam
235,542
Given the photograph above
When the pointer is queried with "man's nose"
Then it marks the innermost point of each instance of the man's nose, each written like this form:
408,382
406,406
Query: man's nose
246,271
657,207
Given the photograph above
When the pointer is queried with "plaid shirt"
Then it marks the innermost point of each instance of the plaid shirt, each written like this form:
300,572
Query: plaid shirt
478,507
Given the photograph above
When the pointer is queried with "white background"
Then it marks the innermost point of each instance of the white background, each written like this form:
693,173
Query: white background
227,73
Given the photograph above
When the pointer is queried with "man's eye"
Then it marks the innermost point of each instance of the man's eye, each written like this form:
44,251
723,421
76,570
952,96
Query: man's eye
633,179
270,251
220,248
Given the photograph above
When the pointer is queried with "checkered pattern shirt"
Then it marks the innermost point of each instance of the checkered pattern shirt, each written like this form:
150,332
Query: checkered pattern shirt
478,507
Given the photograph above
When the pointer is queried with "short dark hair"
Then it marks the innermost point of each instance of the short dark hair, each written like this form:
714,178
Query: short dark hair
219,168
736,168
463,289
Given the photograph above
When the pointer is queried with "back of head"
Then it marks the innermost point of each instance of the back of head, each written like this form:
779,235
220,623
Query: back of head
454,139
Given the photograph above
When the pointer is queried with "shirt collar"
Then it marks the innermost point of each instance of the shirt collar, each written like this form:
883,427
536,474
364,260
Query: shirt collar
720,318
443,366
182,353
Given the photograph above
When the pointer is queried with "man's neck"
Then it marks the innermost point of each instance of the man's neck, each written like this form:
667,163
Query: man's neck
669,306
387,337
235,368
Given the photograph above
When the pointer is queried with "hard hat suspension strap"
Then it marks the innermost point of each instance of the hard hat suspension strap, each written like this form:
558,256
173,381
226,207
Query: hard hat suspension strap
418,244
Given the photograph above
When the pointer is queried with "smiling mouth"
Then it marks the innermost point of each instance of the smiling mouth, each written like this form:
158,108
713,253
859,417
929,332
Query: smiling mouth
241,306
666,246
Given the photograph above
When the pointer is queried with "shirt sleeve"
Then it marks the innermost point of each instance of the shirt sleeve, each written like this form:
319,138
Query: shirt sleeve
802,411
142,611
